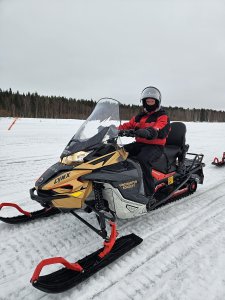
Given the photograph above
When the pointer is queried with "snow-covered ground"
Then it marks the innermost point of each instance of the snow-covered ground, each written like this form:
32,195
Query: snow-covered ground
183,252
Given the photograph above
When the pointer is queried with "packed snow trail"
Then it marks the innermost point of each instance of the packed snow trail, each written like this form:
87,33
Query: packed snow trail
183,252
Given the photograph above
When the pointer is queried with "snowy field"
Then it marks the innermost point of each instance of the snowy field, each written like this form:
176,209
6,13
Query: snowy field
183,252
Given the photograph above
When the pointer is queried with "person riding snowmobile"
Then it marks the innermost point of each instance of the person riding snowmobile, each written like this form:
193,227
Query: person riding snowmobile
94,176
151,127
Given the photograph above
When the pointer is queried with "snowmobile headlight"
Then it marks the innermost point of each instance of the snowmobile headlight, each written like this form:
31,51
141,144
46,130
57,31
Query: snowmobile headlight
79,156
76,157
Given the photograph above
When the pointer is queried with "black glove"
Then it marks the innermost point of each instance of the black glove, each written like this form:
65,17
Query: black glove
121,132
148,133
128,133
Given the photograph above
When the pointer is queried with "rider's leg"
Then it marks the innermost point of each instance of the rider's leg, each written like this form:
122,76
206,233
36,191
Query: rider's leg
133,148
147,155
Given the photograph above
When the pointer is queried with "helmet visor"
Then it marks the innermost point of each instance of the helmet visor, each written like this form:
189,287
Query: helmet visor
151,92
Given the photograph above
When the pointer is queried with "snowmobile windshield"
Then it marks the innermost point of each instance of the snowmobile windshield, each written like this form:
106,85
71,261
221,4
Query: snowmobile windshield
100,126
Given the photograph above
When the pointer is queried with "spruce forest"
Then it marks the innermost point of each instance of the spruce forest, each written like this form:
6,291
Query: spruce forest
36,106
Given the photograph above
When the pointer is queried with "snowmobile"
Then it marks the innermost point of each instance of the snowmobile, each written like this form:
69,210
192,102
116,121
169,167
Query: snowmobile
218,163
96,175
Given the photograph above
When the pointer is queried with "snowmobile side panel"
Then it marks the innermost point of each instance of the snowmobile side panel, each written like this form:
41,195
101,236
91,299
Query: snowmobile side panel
64,279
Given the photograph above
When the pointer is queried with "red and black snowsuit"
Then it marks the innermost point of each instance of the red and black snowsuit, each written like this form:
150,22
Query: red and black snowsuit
146,151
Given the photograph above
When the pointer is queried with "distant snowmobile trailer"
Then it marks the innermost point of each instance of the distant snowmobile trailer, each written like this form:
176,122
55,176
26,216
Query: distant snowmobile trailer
95,175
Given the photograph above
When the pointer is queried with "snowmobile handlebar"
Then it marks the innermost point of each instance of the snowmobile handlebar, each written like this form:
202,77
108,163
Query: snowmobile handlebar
127,133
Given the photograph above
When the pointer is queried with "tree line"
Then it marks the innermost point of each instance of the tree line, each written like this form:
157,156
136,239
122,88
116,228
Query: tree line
36,106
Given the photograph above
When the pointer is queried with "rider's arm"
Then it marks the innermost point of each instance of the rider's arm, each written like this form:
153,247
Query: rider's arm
162,125
128,125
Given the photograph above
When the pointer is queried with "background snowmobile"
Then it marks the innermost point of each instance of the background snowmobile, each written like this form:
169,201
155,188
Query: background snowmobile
218,163
95,175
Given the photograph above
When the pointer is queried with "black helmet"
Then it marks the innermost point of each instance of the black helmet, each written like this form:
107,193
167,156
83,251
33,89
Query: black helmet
151,92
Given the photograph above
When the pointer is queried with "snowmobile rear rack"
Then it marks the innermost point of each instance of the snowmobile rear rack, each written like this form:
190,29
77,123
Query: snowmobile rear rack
218,163
195,162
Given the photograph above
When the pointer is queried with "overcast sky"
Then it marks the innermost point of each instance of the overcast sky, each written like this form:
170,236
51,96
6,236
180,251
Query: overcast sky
95,48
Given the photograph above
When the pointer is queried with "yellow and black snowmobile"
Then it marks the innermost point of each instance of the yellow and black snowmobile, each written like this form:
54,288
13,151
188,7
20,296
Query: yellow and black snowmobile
95,175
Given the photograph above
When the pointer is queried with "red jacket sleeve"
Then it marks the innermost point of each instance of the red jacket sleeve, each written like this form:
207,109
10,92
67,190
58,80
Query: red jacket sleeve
161,122
128,125
163,126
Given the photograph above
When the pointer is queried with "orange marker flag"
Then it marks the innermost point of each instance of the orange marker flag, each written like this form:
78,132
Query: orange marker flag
14,121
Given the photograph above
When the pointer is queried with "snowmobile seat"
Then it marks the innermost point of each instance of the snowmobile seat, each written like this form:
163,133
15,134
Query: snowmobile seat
174,149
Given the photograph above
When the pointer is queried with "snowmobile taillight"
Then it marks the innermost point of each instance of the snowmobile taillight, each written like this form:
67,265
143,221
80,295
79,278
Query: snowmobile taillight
26,213
51,261
110,243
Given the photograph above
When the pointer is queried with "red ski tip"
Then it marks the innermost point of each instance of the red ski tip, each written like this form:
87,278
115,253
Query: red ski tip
52,261
26,213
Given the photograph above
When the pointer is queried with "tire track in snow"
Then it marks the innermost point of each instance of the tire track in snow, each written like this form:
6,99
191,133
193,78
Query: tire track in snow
168,258
51,239
159,244
192,273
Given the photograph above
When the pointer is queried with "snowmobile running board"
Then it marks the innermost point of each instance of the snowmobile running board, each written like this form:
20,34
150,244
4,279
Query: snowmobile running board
218,163
75,273
27,216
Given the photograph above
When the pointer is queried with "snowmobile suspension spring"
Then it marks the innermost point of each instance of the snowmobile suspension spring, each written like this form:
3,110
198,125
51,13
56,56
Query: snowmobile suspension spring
98,196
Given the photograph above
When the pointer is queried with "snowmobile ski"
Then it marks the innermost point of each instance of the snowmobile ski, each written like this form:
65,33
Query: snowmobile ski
75,273
27,216
218,163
